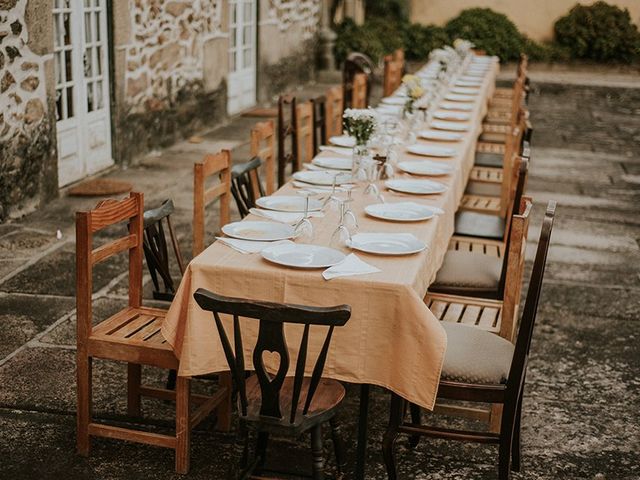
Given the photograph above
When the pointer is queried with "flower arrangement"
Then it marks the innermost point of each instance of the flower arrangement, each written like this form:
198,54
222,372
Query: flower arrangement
360,124
414,90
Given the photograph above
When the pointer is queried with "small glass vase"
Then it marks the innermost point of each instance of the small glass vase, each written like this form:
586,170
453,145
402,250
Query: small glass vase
361,157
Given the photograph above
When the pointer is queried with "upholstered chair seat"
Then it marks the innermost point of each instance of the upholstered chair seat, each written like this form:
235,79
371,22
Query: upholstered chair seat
487,159
476,224
468,273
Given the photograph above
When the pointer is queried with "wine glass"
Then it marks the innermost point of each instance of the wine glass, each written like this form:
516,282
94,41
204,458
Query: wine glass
341,237
350,220
303,230
373,169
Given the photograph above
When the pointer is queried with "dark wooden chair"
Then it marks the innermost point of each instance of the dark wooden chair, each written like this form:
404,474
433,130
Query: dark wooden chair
246,187
287,136
356,63
320,121
272,402
132,335
470,375
156,251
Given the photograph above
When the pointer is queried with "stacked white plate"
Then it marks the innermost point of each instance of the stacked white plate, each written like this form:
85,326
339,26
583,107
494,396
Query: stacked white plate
454,97
400,211
455,116
322,178
465,107
288,203
333,163
440,135
259,231
425,167
450,126
299,255
469,83
343,141
394,100
431,150
387,243
464,91
416,187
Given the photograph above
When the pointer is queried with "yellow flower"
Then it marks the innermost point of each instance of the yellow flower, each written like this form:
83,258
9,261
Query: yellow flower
416,92
410,79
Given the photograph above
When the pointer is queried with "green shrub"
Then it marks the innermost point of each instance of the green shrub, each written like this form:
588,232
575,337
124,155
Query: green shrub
356,38
490,31
600,32
419,40
391,10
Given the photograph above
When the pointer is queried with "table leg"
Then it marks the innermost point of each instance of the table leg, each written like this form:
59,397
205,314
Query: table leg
362,431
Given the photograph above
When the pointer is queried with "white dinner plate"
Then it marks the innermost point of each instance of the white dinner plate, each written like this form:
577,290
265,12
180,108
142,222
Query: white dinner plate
469,83
389,109
431,150
394,100
288,203
440,135
334,163
464,91
475,73
463,107
425,167
450,126
343,141
322,178
454,97
339,150
472,78
454,116
400,211
299,255
387,243
261,231
416,187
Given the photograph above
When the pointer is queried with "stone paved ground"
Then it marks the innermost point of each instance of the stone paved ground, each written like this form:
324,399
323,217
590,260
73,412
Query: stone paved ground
583,392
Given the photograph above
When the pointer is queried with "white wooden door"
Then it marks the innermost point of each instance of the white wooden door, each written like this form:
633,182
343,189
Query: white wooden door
82,88
241,92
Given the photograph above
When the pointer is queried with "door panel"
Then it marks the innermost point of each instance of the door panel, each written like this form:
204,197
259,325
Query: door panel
242,55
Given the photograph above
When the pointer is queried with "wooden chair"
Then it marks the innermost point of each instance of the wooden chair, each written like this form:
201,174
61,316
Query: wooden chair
320,121
263,147
497,132
521,71
304,133
334,111
398,56
469,374
392,75
132,335
496,316
245,185
218,165
359,93
356,63
287,136
270,403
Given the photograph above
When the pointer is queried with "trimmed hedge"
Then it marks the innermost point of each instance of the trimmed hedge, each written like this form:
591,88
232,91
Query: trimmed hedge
600,32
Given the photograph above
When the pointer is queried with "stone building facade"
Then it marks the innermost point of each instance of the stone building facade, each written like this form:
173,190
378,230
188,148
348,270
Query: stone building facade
85,84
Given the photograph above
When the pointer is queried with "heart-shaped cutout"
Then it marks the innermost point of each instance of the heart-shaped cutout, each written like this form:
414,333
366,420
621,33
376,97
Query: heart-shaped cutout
271,360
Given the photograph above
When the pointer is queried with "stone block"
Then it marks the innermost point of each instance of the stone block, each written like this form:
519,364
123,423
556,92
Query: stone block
176,8
216,62
39,23
7,81
34,112
135,86
168,56
30,84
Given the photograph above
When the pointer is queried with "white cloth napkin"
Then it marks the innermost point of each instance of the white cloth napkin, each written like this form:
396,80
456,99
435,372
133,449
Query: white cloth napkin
284,217
351,265
248,246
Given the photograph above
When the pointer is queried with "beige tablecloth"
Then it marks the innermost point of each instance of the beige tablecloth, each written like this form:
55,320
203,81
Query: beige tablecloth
392,339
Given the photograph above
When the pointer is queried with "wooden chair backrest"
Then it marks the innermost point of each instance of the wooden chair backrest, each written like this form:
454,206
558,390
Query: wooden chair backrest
398,56
107,213
156,250
359,93
392,76
304,131
218,164
519,174
356,63
334,111
272,318
513,266
263,146
246,187
319,105
515,382
287,135
509,180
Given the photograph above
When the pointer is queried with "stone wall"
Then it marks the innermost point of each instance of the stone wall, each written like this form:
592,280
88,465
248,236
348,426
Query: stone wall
27,149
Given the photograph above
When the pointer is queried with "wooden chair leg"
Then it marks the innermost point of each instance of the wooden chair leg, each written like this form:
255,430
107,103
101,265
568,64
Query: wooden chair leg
183,429
224,409
83,373
515,446
506,440
391,435
495,418
338,445
134,377
317,451
171,379
261,449
416,419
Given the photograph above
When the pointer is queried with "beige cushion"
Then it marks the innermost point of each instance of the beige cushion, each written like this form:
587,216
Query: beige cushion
468,272
484,188
475,356
488,159
475,224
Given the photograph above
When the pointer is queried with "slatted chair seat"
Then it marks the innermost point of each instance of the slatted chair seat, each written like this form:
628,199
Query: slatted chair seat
488,147
503,92
481,203
485,314
486,181
327,398
475,356
494,133
487,159
480,246
498,116
136,334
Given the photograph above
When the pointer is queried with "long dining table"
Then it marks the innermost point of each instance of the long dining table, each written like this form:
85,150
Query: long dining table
392,339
